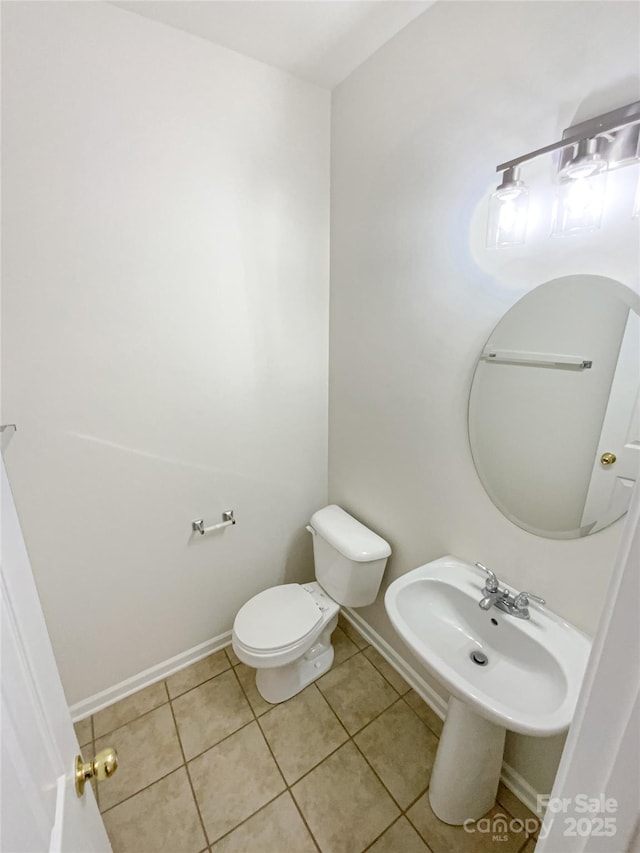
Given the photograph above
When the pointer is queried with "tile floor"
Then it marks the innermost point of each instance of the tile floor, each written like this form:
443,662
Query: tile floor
207,765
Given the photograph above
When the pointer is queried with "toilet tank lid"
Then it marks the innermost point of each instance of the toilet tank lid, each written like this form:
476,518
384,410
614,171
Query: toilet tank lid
348,536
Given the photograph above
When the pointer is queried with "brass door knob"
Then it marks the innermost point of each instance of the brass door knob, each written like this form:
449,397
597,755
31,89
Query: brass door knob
102,767
608,458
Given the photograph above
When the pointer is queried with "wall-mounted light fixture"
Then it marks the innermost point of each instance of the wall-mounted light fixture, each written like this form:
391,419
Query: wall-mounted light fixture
508,208
587,152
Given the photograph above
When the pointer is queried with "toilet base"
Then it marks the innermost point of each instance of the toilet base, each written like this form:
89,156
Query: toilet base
279,683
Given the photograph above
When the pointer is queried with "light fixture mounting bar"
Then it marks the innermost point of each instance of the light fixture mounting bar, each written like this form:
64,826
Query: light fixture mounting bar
621,129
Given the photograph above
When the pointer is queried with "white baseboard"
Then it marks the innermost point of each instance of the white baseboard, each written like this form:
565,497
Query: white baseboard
516,783
125,688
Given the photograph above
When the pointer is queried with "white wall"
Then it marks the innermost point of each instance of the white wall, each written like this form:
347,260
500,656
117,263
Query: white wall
416,134
165,308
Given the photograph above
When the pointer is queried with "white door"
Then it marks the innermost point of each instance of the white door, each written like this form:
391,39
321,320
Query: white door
611,485
40,810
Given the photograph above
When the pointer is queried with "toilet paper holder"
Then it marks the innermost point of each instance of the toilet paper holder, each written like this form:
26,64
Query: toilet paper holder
227,520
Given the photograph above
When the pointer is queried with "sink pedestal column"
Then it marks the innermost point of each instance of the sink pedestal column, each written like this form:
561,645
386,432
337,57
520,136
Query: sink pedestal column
465,776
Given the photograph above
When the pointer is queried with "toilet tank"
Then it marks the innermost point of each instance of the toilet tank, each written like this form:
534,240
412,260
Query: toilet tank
349,558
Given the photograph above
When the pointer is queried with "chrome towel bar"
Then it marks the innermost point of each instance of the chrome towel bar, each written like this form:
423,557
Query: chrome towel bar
537,358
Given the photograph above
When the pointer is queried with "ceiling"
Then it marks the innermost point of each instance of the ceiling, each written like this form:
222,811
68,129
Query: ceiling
322,41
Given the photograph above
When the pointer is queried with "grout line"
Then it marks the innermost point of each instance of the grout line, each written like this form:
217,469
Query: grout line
245,694
256,720
247,819
417,831
287,786
195,686
289,790
146,787
378,837
368,723
132,720
402,695
330,707
186,766
315,766
218,742
304,819
424,722
375,773
420,795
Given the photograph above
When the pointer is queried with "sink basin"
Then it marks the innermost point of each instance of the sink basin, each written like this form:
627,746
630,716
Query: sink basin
502,673
534,667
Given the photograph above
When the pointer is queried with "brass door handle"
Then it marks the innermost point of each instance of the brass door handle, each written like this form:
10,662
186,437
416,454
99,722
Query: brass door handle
608,458
103,766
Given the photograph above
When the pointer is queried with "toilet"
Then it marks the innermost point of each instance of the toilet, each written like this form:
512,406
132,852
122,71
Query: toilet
285,631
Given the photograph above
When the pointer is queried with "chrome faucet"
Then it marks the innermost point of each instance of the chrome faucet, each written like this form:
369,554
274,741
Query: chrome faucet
514,605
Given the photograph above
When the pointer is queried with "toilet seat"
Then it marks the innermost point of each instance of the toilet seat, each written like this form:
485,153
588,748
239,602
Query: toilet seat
277,619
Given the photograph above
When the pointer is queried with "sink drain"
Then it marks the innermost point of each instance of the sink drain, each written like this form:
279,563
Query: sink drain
479,657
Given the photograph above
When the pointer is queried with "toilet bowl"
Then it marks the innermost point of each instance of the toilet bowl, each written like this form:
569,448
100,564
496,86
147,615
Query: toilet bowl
285,632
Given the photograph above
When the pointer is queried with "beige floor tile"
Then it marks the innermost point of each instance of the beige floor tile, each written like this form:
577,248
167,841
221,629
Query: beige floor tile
247,677
130,708
517,808
277,828
401,837
425,713
234,779
148,748
162,817
301,732
357,692
344,804
234,660
197,673
343,647
401,749
384,668
352,633
84,732
478,838
210,712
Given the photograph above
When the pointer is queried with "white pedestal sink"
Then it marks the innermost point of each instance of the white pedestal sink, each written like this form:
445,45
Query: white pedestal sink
502,673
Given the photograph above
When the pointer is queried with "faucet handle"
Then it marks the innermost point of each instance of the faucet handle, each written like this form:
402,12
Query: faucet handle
492,584
522,600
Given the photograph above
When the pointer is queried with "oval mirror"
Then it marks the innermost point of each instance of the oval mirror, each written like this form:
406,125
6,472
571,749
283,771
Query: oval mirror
554,420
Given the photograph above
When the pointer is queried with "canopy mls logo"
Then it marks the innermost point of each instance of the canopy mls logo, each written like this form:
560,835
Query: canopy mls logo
499,827
583,815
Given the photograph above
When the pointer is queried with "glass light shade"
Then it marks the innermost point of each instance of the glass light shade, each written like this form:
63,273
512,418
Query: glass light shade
579,204
507,221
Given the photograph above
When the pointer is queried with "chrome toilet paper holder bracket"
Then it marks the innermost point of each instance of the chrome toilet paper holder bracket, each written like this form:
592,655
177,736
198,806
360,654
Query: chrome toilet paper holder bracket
227,520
